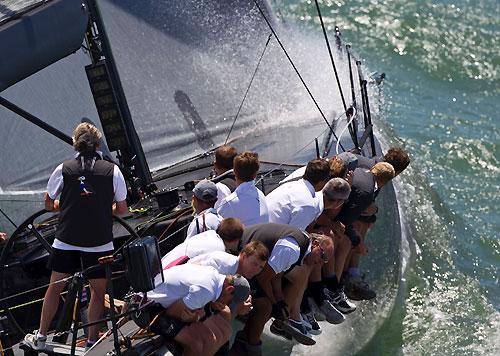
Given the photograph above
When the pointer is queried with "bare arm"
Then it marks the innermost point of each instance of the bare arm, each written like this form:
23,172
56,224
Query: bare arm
120,207
50,204
180,311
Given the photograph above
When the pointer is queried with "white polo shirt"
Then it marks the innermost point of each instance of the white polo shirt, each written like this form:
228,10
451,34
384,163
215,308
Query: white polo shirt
299,172
285,253
295,203
223,262
246,203
208,219
195,285
200,244
222,192
54,190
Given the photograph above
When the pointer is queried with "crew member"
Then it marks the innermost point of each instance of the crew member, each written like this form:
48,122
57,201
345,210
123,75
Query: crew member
247,202
206,218
87,186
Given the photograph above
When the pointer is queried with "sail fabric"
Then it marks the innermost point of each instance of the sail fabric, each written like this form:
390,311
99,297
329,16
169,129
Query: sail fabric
185,66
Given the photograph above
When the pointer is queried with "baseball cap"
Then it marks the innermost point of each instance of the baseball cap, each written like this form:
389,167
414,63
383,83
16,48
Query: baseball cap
241,292
205,190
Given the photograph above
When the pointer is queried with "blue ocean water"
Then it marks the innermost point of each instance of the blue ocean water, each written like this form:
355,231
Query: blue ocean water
440,102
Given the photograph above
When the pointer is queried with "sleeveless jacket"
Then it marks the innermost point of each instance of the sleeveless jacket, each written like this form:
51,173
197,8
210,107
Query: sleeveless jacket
86,213
270,233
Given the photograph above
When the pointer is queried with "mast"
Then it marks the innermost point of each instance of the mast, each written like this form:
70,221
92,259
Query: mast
112,106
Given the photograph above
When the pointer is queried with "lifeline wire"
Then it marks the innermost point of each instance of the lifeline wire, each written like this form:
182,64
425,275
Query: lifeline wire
248,88
297,71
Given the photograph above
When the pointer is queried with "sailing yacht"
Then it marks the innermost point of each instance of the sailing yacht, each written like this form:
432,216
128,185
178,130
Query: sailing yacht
168,83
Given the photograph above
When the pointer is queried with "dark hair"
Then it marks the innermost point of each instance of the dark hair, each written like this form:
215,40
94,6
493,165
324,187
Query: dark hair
338,169
246,166
316,171
398,158
224,157
257,249
230,229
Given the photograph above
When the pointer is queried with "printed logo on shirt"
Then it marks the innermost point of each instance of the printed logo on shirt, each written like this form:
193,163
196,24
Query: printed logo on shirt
83,187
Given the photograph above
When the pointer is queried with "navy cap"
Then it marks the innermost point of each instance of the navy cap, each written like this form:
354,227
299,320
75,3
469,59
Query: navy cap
206,191
241,292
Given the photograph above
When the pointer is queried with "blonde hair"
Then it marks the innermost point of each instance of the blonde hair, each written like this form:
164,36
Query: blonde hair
86,138
384,172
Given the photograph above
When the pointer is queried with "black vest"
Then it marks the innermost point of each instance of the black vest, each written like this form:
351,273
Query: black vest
86,213
270,233
230,182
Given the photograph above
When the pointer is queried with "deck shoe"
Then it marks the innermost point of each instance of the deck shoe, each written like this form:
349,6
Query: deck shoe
339,300
35,341
278,330
311,320
356,288
318,314
305,322
333,316
298,331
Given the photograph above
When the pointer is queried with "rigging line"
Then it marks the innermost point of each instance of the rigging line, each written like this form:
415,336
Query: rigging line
297,71
248,88
331,55
342,132
34,289
12,222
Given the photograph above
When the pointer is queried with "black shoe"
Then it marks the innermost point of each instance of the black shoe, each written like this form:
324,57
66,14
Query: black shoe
298,331
356,288
277,330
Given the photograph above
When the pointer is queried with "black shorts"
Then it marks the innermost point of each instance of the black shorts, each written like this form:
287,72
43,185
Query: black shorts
369,219
70,262
255,289
165,325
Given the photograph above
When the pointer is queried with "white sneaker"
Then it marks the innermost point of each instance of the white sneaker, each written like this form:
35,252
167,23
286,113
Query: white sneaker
34,341
340,301
333,316
309,318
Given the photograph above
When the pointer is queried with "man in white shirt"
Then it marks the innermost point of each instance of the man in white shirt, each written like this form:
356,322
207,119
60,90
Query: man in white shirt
247,202
184,296
225,238
290,247
248,263
296,203
223,165
206,218
91,190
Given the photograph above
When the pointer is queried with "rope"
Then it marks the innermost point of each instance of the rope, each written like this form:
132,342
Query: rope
248,88
296,71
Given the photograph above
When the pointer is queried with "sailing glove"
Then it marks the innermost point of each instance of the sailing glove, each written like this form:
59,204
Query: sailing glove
280,310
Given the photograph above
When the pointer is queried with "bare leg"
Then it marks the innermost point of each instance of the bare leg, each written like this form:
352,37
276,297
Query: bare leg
195,339
260,315
294,290
362,228
51,301
96,306
342,248
220,327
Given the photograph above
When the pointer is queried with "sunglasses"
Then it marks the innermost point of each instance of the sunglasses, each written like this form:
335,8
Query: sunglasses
323,254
